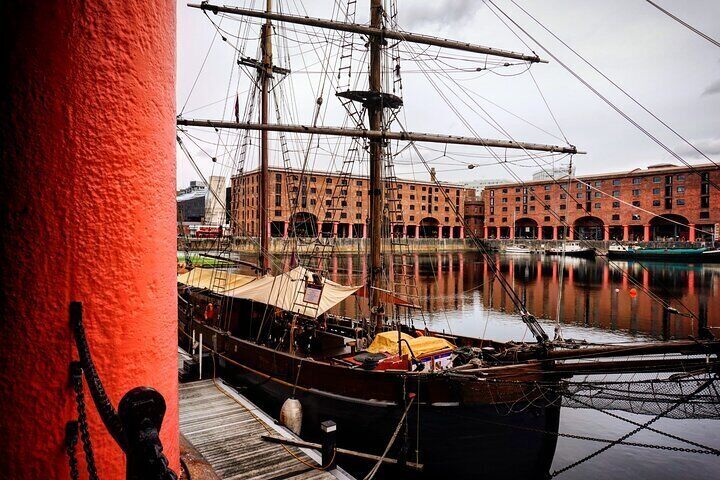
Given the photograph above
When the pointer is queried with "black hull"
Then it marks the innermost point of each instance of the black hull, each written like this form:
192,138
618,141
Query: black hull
455,440
666,257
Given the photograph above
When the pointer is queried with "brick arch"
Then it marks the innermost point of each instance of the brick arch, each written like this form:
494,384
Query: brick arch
303,224
526,227
669,226
588,228
429,227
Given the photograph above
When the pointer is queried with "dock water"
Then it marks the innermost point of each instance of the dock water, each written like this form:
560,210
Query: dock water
226,429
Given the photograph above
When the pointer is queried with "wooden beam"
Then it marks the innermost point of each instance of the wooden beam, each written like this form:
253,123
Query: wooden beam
380,135
341,451
366,30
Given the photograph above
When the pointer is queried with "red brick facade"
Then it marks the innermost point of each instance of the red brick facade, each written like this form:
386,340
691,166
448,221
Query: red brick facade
339,206
474,215
663,202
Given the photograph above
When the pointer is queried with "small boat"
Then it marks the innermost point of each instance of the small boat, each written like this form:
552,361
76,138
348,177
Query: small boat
518,249
572,249
665,254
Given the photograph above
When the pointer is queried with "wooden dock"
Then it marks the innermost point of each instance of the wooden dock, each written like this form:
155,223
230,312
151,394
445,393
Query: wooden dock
225,428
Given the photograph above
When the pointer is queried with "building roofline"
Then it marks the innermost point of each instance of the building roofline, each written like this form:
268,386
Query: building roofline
360,177
645,172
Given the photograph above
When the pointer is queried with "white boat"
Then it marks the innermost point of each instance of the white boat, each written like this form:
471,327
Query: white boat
518,249
572,249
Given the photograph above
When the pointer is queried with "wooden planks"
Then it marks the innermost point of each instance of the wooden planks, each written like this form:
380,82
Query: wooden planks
226,433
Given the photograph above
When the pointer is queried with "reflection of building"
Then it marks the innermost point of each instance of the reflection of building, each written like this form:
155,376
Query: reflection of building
662,202
595,294
339,206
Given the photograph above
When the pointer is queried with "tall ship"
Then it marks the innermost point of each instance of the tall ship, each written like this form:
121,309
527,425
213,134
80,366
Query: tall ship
440,403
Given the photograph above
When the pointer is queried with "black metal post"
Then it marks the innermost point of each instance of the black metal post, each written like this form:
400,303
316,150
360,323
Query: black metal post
328,442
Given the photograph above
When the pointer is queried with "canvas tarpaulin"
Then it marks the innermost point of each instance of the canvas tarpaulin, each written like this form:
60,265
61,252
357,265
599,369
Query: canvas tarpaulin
219,281
387,342
293,292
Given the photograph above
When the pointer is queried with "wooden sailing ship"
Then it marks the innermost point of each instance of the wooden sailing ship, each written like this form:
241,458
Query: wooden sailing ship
457,400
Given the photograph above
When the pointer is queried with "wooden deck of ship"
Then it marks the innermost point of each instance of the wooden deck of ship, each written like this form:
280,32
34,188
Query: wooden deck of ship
225,428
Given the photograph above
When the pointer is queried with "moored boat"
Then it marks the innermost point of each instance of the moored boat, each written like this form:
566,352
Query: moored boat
572,249
665,254
523,249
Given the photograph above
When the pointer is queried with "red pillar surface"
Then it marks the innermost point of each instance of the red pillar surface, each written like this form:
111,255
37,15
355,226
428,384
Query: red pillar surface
691,232
646,233
88,188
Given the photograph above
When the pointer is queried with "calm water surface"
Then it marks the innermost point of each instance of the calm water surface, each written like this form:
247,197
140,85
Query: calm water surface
460,295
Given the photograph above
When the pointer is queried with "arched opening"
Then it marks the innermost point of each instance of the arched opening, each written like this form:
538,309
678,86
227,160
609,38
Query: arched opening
303,224
526,228
669,227
588,228
429,228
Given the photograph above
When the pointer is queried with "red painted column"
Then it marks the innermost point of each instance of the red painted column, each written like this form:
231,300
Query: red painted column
626,233
691,232
646,233
485,232
88,169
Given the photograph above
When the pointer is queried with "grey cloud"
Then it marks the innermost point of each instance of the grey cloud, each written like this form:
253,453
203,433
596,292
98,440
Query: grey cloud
713,88
709,146
439,13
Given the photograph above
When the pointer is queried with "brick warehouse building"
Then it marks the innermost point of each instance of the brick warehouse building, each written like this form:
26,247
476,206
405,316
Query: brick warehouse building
339,205
677,204
474,211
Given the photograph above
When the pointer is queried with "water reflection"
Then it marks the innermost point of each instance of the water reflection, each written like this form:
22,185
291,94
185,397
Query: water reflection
459,293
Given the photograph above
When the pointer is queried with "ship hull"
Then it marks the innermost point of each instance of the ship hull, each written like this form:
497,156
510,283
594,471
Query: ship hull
455,440
462,427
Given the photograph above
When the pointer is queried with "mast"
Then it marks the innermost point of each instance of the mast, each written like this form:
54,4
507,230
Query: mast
265,75
376,158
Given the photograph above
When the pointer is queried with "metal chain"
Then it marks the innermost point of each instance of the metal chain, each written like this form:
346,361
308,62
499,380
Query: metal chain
632,432
708,449
703,451
71,439
76,370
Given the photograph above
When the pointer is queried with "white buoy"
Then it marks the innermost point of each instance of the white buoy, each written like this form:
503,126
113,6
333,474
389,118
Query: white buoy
291,415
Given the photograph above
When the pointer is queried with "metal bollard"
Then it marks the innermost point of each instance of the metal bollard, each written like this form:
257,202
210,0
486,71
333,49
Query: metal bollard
328,441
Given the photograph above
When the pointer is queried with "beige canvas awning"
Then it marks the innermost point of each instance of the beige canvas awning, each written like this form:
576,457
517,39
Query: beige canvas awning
216,280
296,291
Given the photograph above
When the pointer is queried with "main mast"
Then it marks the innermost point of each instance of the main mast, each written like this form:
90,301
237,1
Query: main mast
265,76
375,118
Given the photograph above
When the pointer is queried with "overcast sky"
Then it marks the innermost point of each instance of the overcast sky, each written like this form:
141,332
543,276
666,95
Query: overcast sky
674,72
